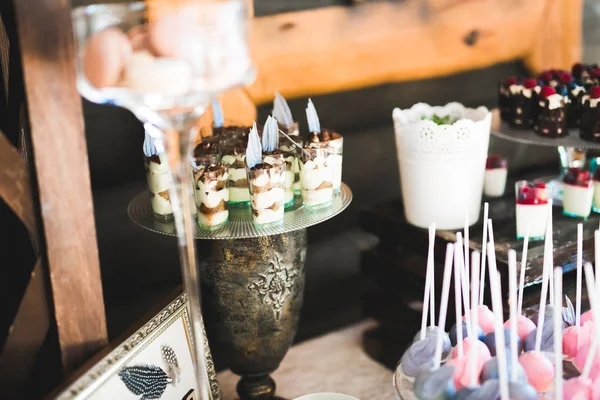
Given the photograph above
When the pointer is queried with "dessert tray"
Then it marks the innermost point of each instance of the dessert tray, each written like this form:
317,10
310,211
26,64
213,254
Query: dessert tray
527,136
240,225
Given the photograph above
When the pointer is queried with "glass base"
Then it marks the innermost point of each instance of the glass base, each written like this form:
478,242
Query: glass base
289,204
213,227
163,217
317,206
532,238
274,223
239,204
596,210
576,216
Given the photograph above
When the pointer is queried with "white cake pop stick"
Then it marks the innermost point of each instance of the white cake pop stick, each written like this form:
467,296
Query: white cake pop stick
467,253
597,260
522,272
491,240
579,271
427,291
431,259
591,289
464,283
549,241
557,321
542,308
512,295
474,314
444,302
498,323
483,253
457,299
589,361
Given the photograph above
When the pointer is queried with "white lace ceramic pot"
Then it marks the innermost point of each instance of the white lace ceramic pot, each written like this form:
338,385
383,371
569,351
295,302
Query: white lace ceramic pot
442,167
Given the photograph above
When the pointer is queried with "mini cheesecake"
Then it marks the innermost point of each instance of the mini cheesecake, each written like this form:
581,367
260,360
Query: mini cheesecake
524,105
578,193
551,120
159,182
267,192
505,102
596,204
495,176
212,195
532,208
316,177
590,115
334,144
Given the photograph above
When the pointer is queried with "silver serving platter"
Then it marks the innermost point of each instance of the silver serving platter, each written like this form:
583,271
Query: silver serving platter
240,224
528,136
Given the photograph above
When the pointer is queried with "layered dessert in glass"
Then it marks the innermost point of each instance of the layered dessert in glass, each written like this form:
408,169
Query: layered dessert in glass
158,178
334,144
212,194
590,115
578,193
278,156
495,176
267,191
551,119
234,158
532,208
316,177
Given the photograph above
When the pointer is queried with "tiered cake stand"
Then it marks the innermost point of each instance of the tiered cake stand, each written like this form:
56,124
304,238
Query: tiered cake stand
252,285
571,150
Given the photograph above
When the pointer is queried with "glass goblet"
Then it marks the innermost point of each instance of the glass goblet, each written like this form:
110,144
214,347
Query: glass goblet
165,62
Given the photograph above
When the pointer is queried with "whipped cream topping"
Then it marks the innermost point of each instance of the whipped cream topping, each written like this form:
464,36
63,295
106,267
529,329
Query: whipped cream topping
593,102
555,101
515,89
576,90
526,92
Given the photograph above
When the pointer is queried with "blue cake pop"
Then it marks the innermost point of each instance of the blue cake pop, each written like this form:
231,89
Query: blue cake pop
464,393
522,391
452,333
490,371
435,385
419,357
490,342
547,342
432,332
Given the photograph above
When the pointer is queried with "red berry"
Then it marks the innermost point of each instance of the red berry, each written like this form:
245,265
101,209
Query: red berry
546,76
595,73
493,162
565,78
577,69
529,83
547,91
540,185
510,81
595,92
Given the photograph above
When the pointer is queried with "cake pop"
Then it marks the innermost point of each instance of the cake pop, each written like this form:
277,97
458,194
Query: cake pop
433,331
496,290
586,317
486,318
577,389
490,370
469,344
436,384
490,341
539,369
522,391
547,339
465,393
524,327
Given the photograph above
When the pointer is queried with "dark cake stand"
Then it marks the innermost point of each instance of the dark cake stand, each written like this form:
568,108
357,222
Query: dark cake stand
571,150
252,285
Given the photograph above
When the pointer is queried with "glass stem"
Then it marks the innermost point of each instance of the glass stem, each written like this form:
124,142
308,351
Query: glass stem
179,147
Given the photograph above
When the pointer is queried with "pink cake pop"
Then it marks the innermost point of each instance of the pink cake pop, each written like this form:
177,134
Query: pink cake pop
484,314
474,344
524,324
577,389
586,317
557,321
576,337
539,369
571,340
596,389
524,327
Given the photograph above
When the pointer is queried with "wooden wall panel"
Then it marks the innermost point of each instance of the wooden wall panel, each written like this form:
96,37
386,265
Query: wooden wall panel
61,162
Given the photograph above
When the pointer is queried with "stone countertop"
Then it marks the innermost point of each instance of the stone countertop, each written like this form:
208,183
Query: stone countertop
334,362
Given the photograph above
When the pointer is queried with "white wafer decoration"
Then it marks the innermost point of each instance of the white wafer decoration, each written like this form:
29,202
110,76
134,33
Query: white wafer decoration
483,253
457,298
474,314
579,271
522,272
512,294
427,291
464,283
444,302
498,323
557,325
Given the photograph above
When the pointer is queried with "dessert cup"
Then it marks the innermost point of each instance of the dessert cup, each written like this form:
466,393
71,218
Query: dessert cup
334,142
532,208
267,192
211,195
578,193
159,183
590,115
234,157
495,176
316,177
551,119
289,159
442,162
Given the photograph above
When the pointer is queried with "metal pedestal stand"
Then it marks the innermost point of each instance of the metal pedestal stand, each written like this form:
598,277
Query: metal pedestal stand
252,285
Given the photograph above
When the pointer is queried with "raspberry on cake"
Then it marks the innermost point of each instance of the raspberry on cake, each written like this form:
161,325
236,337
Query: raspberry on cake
532,208
578,193
495,176
590,115
551,121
